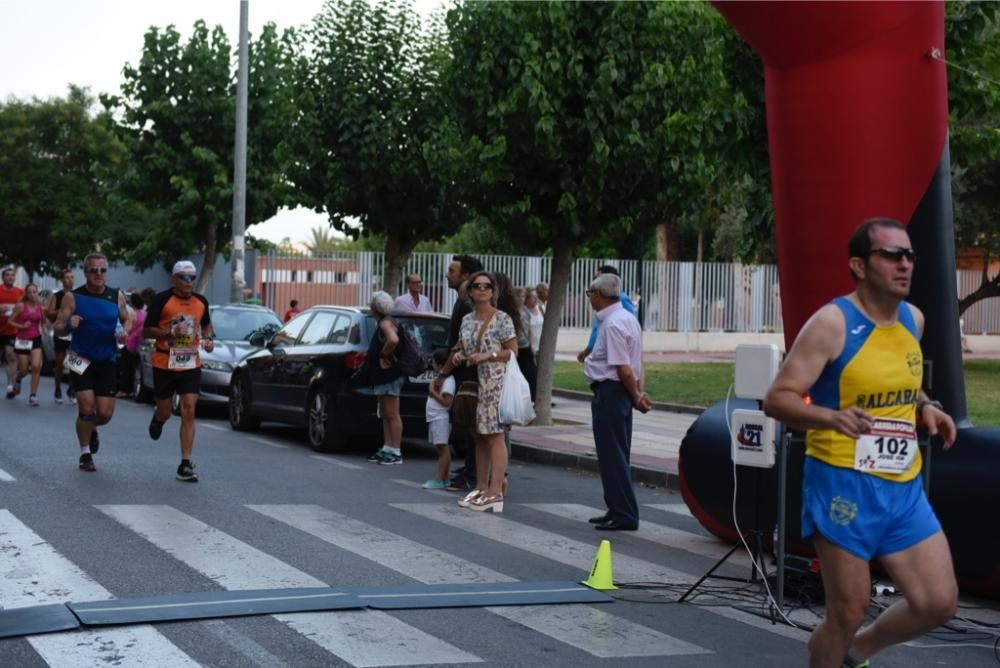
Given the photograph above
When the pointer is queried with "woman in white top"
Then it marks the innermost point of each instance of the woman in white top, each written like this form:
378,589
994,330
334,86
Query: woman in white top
533,318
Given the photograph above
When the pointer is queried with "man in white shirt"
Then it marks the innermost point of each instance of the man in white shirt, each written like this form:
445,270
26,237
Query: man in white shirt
413,299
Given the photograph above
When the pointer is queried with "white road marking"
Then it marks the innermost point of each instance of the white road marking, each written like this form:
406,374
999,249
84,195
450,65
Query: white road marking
34,573
6,477
676,508
337,462
358,637
589,628
704,545
213,426
579,555
258,439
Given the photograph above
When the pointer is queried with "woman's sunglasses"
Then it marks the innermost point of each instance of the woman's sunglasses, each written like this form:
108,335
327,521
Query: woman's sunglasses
482,286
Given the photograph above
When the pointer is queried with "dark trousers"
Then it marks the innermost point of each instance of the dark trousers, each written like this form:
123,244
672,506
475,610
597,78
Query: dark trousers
611,416
526,362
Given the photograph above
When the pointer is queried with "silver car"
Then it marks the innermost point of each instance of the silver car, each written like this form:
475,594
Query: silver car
233,325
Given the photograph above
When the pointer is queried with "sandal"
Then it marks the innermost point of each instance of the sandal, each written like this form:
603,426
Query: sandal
466,500
483,503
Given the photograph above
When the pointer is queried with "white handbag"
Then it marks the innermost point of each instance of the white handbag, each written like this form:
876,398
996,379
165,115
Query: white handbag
516,406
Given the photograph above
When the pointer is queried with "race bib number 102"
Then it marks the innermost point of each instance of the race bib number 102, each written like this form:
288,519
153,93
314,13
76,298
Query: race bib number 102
890,446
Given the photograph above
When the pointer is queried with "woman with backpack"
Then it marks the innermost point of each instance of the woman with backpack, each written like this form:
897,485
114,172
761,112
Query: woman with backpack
383,372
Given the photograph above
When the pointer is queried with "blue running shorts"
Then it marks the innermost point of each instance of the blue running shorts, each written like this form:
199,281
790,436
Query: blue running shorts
866,515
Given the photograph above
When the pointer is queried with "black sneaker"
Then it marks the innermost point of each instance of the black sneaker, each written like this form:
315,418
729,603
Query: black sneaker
95,442
87,463
71,393
155,428
58,394
376,457
186,472
10,391
390,458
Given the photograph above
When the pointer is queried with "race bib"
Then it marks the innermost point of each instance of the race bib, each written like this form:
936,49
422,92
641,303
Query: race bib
183,358
75,362
890,446
22,344
7,309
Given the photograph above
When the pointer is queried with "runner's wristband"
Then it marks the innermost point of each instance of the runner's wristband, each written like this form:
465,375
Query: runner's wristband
929,402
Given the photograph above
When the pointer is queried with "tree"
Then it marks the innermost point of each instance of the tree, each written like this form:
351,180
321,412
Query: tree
369,105
585,115
973,39
57,165
177,119
323,241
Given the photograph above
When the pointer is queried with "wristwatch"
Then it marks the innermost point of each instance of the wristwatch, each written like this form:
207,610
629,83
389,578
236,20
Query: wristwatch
929,402
494,354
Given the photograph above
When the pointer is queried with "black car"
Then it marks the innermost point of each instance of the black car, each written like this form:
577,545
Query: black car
303,376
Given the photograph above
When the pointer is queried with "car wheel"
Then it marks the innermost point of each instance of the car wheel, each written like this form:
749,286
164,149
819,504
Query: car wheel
240,417
323,435
140,392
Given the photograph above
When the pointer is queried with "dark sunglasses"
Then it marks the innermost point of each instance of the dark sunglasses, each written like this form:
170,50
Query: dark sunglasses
895,253
482,286
97,270
186,277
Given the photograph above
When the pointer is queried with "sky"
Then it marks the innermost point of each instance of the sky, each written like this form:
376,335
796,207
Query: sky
45,45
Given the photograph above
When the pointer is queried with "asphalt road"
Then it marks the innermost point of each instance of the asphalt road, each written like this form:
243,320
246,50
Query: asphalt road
270,513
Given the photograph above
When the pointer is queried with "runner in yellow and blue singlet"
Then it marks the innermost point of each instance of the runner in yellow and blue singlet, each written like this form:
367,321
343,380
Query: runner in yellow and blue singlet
859,360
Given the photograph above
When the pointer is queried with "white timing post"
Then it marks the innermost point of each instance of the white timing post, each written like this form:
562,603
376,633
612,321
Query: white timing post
240,164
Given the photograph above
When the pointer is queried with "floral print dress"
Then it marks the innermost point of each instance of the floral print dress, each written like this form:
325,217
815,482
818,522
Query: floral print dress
491,374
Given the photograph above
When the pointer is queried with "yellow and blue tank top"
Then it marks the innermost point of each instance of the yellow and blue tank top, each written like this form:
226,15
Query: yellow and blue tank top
879,370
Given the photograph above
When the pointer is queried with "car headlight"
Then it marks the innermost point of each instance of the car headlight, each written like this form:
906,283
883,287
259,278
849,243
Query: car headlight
217,366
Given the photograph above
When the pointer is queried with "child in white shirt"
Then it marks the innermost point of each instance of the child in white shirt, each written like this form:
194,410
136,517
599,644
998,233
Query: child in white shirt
439,422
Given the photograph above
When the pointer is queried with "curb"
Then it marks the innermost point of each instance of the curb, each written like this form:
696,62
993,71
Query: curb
642,475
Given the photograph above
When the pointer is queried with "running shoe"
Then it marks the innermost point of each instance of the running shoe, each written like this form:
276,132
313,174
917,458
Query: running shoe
17,387
435,484
186,472
58,394
155,428
376,456
95,442
87,463
32,400
10,391
71,393
390,458
851,662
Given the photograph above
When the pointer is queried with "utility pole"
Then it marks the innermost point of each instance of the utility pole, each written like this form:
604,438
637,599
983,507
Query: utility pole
240,163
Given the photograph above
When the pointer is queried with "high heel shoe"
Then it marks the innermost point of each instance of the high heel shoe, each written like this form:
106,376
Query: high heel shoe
466,500
483,503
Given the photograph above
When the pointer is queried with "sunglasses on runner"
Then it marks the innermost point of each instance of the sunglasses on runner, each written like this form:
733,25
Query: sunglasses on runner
895,253
189,278
97,270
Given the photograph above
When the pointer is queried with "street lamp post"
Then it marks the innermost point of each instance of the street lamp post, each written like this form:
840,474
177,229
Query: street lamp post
240,163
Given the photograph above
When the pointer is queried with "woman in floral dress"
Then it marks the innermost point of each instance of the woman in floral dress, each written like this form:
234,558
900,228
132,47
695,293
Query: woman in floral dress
487,340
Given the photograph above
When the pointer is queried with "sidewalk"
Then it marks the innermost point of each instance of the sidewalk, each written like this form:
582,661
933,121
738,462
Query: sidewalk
656,439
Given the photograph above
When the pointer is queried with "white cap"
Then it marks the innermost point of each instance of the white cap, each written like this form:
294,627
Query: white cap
184,267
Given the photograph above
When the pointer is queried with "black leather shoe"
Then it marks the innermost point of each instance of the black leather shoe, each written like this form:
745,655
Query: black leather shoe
611,525
600,519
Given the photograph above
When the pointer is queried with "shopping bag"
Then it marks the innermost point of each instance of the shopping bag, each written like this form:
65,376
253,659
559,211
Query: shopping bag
516,406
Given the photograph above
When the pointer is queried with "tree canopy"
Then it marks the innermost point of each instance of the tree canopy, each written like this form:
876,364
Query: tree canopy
58,165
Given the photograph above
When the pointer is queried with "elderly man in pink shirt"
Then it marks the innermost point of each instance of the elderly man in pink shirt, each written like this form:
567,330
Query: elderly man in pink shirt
413,299
614,371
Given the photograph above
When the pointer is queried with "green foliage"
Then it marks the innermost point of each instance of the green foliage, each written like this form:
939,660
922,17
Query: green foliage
177,119
58,166
369,103
584,116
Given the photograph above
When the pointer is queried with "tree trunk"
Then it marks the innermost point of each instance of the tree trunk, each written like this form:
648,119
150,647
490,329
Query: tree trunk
397,254
208,264
667,241
562,261
989,287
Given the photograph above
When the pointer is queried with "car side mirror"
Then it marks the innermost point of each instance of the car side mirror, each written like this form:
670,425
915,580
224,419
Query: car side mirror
260,339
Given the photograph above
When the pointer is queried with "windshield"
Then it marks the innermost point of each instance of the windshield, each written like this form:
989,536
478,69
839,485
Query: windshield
240,324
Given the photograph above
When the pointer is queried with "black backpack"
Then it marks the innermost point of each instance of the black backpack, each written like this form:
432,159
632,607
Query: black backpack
409,357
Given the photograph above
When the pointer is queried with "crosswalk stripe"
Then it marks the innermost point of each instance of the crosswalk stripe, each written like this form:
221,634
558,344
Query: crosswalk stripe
337,462
706,546
593,630
34,573
6,477
358,637
577,555
675,508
